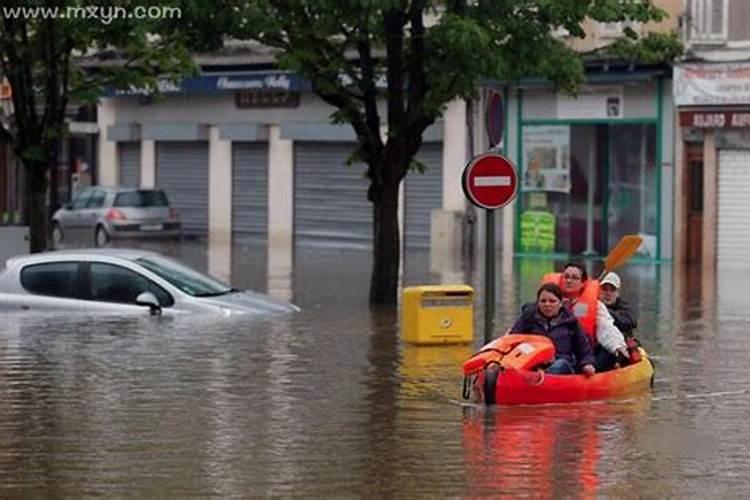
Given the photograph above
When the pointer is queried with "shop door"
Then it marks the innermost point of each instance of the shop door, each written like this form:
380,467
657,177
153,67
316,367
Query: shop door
330,197
129,158
694,202
249,191
182,172
733,242
423,193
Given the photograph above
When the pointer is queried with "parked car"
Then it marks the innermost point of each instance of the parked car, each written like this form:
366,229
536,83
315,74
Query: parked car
122,281
99,214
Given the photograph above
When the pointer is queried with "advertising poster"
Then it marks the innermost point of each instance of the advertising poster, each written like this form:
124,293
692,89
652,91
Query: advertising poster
546,158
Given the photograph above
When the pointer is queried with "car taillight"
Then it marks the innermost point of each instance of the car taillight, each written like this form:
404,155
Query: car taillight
173,213
114,214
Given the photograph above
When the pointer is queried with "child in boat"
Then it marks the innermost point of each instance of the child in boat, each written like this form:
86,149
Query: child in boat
548,317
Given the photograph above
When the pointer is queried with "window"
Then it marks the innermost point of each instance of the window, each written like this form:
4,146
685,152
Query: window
81,199
708,20
141,199
112,283
189,281
96,200
57,279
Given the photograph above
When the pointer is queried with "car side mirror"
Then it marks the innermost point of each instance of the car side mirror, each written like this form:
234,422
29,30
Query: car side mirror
150,300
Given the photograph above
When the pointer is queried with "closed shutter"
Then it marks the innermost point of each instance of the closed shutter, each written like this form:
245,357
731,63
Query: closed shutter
249,191
422,194
182,172
129,157
330,197
733,238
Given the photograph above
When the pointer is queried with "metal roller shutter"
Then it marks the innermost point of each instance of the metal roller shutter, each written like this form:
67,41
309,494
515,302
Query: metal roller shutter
182,171
129,158
733,238
422,194
330,197
249,191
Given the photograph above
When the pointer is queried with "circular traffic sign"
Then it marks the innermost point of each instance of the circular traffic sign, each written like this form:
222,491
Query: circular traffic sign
490,181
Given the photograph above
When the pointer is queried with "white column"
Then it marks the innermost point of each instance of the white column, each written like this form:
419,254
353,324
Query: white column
108,167
455,154
219,189
148,164
280,199
446,224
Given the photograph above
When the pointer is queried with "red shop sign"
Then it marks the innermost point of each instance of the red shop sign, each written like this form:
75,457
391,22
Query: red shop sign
715,119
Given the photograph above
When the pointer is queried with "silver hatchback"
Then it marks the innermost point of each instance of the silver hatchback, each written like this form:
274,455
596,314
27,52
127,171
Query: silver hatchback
121,281
99,214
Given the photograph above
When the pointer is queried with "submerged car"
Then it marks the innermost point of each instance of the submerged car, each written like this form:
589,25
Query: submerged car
98,214
122,281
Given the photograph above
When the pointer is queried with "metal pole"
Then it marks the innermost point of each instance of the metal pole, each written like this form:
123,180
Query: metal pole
489,274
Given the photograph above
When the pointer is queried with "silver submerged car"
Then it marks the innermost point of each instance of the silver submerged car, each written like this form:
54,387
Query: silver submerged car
122,281
98,214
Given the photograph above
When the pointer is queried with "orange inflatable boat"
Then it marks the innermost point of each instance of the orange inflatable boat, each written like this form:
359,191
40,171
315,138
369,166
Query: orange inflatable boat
507,371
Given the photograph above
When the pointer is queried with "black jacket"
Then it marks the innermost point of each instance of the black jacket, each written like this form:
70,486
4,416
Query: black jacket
563,330
624,317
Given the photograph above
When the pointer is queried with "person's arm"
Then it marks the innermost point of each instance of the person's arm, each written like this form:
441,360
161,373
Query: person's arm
607,334
624,318
582,348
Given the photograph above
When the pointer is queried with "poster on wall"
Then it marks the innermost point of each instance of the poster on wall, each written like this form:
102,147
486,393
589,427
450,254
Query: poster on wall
546,158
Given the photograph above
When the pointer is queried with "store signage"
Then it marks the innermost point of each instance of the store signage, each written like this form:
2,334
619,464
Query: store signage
490,181
222,83
715,119
712,83
591,102
266,99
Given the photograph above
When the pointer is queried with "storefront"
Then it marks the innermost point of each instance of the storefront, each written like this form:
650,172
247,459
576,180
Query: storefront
713,147
593,168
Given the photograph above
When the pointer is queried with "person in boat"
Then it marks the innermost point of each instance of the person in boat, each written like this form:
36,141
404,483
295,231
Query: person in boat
581,297
624,318
609,293
549,318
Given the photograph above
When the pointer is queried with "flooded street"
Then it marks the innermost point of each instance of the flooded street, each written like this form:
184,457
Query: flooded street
329,402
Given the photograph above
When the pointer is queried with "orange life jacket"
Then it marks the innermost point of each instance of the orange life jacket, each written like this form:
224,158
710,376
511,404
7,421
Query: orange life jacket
584,308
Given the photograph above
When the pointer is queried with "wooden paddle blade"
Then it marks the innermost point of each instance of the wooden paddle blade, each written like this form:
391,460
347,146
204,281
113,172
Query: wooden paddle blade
622,252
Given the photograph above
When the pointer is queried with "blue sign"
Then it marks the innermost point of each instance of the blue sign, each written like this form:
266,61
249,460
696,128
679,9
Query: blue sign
272,81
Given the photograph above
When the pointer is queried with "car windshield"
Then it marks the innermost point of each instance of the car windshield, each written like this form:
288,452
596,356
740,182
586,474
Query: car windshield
188,280
141,199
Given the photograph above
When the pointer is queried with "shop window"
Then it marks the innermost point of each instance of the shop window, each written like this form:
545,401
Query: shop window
585,186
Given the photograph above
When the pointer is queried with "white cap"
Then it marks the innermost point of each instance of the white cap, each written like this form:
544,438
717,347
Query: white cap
612,279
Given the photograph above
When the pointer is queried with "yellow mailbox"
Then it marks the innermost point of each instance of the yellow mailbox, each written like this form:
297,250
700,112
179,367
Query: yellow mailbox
438,314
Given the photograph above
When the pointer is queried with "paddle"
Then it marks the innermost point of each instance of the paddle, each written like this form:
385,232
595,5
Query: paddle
620,254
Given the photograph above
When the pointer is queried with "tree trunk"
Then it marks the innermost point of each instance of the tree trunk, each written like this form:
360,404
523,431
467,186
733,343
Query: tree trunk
38,233
386,247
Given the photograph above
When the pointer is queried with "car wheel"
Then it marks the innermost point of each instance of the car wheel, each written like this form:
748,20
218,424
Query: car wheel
101,237
57,234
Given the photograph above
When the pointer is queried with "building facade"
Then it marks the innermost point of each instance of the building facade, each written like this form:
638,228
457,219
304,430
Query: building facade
712,143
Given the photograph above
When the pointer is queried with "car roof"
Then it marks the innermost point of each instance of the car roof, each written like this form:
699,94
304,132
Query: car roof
122,253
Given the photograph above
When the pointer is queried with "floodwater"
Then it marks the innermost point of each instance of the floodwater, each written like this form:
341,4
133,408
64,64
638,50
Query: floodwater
330,403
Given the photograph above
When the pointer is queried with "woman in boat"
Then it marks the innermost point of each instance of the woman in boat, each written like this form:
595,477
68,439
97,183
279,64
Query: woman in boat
549,318
582,299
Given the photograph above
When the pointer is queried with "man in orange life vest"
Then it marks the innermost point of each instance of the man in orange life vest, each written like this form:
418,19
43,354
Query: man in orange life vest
582,298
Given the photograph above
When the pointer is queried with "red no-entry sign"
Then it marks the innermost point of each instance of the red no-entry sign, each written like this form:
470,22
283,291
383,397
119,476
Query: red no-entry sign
490,181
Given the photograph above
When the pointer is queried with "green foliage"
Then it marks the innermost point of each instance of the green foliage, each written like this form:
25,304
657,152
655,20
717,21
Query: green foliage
653,48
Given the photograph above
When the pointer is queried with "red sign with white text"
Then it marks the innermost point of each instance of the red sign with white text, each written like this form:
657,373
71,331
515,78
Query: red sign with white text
490,181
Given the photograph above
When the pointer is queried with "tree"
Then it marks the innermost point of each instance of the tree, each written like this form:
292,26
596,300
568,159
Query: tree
42,47
417,55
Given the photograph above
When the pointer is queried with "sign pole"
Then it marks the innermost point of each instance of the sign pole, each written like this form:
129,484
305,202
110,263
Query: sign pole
489,275
489,181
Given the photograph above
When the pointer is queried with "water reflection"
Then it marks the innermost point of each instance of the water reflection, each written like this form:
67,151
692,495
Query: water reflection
551,451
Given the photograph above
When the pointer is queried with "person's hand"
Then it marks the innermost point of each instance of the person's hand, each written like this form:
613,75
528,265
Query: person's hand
623,357
588,370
